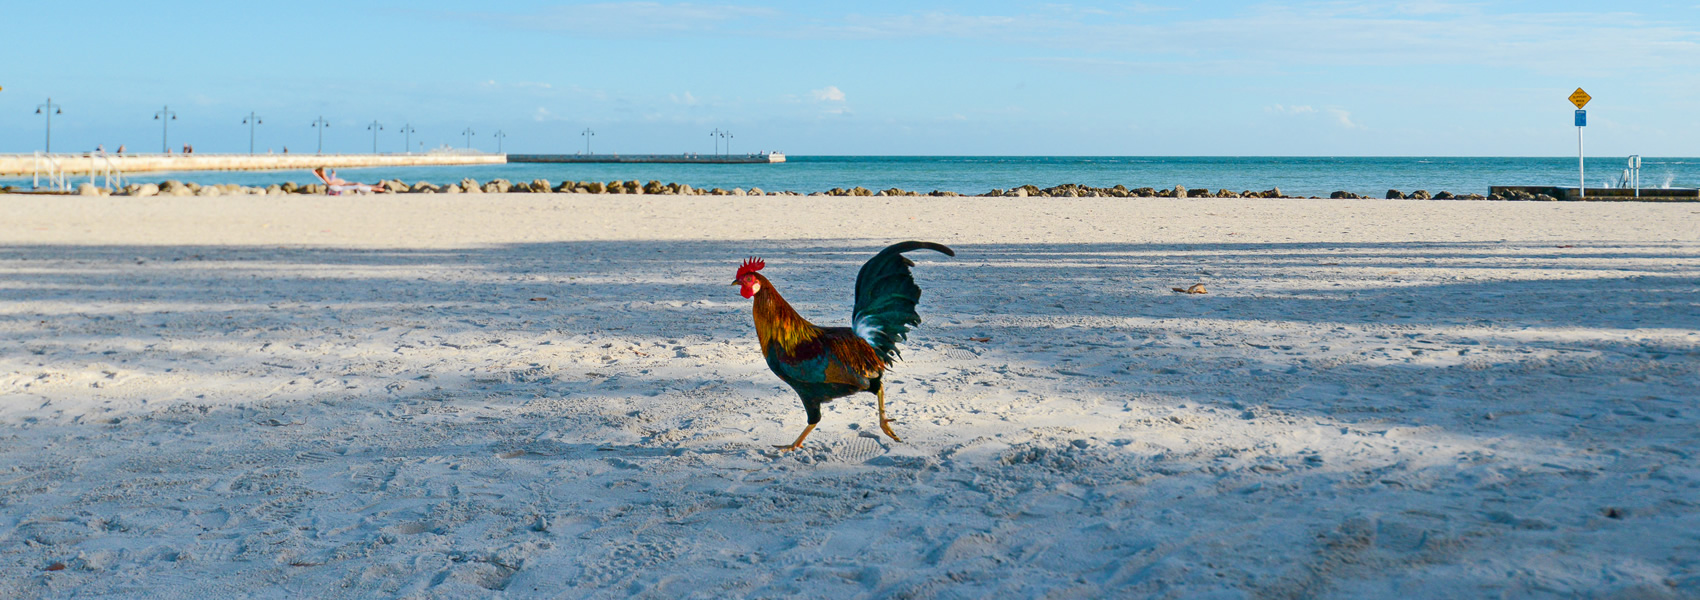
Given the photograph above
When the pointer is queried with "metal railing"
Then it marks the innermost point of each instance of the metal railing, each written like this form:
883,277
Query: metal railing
101,165
55,173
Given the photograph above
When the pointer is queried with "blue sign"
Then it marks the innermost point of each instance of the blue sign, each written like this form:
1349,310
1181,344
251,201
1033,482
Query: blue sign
1581,118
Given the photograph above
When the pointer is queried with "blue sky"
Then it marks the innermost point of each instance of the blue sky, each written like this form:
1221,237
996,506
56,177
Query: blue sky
989,77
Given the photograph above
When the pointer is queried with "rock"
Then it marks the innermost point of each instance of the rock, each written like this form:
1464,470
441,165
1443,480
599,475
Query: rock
395,186
193,187
450,189
469,185
422,187
313,188
685,189
1179,192
146,189
497,186
1199,193
1224,193
1019,192
756,191
538,186
1395,195
88,189
1418,195
1545,198
594,187
274,189
1274,193
1474,196
288,187
1342,194
1444,195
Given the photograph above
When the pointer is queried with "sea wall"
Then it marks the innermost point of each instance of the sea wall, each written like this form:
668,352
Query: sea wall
25,164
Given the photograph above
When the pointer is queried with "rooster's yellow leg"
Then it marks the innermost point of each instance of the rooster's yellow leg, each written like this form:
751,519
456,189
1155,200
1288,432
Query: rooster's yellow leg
885,424
799,443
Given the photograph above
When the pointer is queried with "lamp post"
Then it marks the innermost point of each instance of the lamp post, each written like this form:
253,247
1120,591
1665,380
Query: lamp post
587,133
165,117
716,135
469,133
728,143
49,109
251,120
499,136
375,127
407,132
320,123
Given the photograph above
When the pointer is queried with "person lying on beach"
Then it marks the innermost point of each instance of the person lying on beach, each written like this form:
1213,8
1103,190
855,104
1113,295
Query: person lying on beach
336,186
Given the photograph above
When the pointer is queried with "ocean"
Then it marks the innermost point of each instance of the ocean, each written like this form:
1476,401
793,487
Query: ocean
1301,176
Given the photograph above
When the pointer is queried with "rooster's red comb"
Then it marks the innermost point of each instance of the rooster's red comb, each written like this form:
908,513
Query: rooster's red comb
750,265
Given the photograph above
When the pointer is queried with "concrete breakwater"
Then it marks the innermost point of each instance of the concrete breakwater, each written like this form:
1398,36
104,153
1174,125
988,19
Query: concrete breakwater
27,164
720,159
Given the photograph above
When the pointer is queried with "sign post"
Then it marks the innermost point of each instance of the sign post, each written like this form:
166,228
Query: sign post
1580,99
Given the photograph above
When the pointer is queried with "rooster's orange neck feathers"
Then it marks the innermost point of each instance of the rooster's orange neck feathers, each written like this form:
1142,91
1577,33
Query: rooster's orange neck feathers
776,321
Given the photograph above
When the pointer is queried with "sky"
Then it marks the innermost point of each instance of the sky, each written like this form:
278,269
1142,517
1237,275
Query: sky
860,78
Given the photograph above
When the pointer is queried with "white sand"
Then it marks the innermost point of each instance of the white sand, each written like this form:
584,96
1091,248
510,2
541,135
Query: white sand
314,397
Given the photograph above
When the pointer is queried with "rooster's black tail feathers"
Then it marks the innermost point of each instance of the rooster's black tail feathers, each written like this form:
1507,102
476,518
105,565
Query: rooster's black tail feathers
886,295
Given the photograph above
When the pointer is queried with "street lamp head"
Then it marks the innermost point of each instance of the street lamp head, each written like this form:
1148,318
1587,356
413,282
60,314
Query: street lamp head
58,112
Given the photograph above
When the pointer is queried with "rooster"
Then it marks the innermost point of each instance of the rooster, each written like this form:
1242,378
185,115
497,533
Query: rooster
824,363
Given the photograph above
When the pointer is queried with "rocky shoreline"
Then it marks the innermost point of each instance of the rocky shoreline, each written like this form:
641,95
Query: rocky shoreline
503,186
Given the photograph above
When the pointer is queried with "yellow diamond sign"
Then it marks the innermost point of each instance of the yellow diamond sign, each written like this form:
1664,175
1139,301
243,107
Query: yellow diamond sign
1580,98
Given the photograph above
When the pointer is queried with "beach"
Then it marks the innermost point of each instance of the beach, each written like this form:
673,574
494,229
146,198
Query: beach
559,395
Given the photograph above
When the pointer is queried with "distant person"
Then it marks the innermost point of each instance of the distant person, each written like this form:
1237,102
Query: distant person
101,148
120,148
286,149
336,186
168,151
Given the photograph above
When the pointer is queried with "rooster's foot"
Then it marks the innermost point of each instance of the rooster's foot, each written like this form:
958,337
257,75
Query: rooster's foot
885,425
799,443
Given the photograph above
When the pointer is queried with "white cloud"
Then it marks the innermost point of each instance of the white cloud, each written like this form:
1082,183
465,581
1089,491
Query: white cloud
1343,117
829,93
613,19
542,114
686,99
1340,115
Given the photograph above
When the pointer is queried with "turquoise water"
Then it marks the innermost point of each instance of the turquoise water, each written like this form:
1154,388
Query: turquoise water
1308,176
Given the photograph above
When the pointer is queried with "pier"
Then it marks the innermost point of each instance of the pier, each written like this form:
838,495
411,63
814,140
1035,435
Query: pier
83,163
1603,194
712,159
